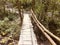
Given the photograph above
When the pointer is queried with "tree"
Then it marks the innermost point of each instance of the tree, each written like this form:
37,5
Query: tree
19,8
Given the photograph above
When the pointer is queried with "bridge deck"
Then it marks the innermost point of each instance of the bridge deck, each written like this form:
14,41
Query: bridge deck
27,36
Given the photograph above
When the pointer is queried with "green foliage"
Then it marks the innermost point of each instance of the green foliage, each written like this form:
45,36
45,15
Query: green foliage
9,29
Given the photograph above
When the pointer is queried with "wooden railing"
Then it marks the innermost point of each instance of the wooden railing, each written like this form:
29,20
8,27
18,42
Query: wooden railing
45,31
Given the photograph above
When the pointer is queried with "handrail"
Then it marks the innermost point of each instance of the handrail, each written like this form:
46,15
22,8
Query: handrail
46,30
46,35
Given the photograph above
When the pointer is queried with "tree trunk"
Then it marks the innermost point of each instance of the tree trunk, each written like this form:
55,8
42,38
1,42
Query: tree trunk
33,3
19,8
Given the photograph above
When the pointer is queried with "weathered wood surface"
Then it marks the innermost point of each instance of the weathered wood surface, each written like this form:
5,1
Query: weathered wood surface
27,36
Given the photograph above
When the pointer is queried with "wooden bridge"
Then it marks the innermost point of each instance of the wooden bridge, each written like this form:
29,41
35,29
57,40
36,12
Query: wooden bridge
28,37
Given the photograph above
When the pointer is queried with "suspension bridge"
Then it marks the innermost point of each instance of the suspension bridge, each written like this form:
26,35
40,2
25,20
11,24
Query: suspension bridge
27,35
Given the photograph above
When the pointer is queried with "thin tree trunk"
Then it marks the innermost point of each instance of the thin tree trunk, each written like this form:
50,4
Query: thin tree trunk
4,6
33,3
19,8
